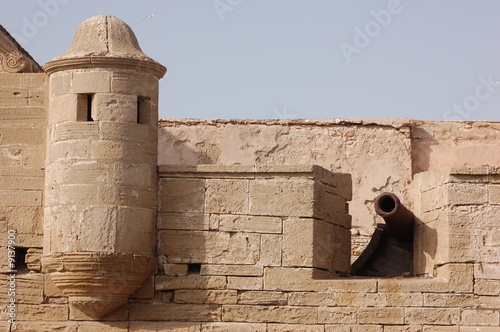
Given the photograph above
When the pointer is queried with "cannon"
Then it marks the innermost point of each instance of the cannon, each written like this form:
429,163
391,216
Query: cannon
390,250
399,220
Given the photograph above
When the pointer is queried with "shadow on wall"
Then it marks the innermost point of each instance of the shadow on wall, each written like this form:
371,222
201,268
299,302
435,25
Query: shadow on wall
424,249
421,150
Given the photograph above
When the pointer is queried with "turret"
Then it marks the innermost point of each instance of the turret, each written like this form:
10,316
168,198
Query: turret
101,170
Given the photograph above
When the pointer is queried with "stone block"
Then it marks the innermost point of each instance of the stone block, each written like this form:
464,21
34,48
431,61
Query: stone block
232,270
189,282
27,221
181,195
404,299
137,175
62,108
294,328
262,298
32,326
444,316
329,206
74,131
487,287
42,312
135,230
60,83
480,317
230,327
139,84
174,269
381,315
127,132
209,247
282,197
315,243
28,288
270,250
244,283
116,107
103,326
97,229
33,257
89,82
70,149
141,326
269,314
494,194
478,329
467,194
206,296
450,300
175,312
184,221
18,198
226,196
308,279
254,224
336,315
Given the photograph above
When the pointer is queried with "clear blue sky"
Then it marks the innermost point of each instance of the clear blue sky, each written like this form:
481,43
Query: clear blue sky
263,59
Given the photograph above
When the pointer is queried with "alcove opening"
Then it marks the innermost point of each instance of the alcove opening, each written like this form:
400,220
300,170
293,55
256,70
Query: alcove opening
20,256
84,109
194,269
143,110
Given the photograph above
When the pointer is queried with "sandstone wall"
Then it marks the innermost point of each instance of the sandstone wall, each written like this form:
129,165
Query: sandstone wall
22,160
380,154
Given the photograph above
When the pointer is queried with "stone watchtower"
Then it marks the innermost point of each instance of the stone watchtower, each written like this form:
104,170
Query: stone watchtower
101,170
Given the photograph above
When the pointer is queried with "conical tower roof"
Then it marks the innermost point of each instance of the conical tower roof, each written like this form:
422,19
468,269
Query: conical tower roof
105,41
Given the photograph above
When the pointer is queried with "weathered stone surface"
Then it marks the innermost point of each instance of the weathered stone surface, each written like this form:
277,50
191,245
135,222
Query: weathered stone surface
33,326
480,317
232,270
270,314
263,297
257,224
181,195
245,283
209,247
206,296
141,326
312,243
294,327
336,315
189,282
280,197
430,315
226,196
381,316
175,312
184,221
229,327
42,312
270,250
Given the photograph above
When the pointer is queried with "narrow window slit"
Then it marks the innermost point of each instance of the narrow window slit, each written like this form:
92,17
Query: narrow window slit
89,107
143,110
84,110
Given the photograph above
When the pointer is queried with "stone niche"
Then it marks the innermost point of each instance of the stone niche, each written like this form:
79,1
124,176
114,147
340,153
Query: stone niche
239,219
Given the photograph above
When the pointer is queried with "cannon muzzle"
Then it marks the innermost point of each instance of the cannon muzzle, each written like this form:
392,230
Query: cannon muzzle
398,218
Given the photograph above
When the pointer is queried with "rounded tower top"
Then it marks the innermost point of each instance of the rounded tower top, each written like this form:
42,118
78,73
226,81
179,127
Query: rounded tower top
105,41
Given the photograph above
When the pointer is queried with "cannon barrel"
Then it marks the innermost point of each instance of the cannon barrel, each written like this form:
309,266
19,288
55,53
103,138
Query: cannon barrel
398,218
